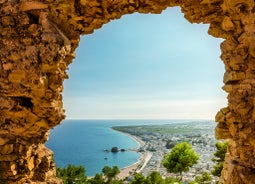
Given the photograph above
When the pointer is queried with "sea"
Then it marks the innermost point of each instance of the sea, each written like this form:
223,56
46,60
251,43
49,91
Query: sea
84,142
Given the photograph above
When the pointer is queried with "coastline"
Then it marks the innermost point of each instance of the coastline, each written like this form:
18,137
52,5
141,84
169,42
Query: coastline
136,167
140,142
140,164
198,134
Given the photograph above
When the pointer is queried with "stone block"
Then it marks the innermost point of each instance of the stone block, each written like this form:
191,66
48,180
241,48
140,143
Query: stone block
231,76
43,124
8,158
3,141
7,66
31,163
220,117
6,149
16,76
222,131
13,168
252,47
227,24
209,1
32,5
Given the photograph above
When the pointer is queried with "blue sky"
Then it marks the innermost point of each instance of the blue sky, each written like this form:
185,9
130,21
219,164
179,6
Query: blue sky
146,66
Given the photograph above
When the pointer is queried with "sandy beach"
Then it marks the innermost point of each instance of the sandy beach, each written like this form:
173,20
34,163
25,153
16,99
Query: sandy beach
139,165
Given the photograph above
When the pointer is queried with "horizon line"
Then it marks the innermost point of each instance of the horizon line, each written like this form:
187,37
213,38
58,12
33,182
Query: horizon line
137,119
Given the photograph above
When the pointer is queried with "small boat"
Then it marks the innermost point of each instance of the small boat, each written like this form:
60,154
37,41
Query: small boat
105,158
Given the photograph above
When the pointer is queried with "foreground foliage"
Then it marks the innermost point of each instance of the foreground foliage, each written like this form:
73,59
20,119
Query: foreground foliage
180,159
76,175
205,178
219,157
72,174
153,178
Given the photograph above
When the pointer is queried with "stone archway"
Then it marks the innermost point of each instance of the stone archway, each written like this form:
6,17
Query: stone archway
38,40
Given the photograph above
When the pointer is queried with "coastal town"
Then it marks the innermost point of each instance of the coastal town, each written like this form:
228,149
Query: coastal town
156,141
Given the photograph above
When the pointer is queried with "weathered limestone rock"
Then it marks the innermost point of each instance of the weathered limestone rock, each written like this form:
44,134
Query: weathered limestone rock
38,39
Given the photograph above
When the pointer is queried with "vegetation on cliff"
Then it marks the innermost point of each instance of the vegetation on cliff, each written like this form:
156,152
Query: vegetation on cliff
219,157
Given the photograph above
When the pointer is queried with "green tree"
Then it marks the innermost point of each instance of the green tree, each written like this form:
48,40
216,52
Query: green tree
180,159
219,157
205,178
138,179
217,169
97,179
110,173
155,178
72,174
116,182
170,180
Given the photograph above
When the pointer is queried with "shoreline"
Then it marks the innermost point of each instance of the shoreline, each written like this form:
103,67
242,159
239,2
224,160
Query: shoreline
136,138
136,167
140,164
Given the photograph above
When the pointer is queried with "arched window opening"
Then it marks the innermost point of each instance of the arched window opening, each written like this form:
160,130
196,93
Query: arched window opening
140,67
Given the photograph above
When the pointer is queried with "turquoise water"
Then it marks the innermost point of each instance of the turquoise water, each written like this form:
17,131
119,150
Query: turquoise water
82,142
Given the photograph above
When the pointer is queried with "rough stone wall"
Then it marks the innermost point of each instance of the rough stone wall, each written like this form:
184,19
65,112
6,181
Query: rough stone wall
34,55
38,40
237,121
